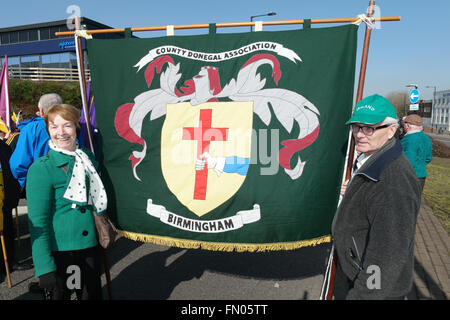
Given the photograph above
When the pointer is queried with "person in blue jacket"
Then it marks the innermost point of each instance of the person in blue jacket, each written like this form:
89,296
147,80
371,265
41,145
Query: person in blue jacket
417,146
33,140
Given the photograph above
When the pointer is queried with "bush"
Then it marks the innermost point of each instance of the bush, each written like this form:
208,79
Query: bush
26,92
440,149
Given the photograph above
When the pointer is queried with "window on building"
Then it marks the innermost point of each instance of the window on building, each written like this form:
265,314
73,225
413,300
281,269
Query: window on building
14,37
63,28
53,30
29,61
13,61
45,33
4,38
23,36
33,35
73,60
57,60
13,66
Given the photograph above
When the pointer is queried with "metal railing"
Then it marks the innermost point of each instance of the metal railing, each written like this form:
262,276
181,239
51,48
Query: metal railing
46,74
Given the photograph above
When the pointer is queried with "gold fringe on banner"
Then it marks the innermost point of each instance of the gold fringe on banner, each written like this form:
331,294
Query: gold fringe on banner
222,246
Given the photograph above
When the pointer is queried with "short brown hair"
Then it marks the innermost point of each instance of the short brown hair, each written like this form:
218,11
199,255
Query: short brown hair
66,111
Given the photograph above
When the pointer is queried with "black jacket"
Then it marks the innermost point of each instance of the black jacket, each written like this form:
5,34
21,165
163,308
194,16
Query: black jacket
11,186
375,224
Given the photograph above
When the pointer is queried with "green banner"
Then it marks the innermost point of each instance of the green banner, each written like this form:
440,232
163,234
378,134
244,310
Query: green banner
225,141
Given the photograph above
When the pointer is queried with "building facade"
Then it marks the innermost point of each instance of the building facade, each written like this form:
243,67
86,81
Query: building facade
424,110
34,49
440,118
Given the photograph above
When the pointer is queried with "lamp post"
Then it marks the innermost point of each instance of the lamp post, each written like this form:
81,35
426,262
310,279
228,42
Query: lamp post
434,103
261,15
412,85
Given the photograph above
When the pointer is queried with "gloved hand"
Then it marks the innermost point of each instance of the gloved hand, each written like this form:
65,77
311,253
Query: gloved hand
48,281
215,163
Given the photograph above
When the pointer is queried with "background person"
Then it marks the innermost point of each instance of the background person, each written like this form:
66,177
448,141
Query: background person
373,229
62,188
11,190
31,144
33,140
3,130
11,138
417,147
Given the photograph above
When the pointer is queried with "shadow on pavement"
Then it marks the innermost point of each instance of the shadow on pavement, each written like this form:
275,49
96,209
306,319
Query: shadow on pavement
433,291
155,275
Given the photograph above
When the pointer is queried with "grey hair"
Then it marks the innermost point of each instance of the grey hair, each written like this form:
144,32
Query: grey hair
390,120
48,100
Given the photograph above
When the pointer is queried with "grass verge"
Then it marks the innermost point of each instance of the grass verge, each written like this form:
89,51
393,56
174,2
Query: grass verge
437,190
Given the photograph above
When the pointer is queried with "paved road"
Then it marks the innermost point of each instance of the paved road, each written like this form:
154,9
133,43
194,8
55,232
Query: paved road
147,271
445,138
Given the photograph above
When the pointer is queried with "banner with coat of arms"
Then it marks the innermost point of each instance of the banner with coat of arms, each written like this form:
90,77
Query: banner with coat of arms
225,141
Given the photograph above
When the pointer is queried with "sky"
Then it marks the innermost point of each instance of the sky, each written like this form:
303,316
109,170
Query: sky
414,50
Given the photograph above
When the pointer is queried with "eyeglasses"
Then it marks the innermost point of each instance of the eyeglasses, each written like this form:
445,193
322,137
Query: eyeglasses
368,131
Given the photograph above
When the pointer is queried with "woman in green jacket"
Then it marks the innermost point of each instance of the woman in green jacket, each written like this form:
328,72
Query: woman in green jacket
62,189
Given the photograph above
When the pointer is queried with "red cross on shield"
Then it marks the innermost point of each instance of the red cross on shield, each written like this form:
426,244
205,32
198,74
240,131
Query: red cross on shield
223,129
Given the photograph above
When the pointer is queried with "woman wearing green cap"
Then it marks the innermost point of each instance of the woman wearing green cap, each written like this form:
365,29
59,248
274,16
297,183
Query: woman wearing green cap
374,226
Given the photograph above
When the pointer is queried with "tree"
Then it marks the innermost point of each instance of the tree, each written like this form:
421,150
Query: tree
400,101
27,92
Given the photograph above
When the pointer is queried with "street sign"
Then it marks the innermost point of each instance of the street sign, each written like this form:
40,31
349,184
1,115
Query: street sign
414,96
414,107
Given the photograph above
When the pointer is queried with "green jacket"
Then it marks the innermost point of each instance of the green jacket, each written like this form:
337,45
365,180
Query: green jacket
418,149
54,223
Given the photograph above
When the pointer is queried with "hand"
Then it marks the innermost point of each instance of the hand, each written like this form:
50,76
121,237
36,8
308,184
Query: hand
200,164
48,281
344,187
205,158
213,163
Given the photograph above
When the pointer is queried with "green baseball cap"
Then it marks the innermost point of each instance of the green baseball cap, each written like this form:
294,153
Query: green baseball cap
372,109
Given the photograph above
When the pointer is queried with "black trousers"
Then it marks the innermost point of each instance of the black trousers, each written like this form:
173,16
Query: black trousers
8,234
422,182
78,270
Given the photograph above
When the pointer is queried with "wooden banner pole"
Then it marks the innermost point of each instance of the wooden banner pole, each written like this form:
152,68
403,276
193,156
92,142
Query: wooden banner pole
351,151
362,77
5,259
82,77
229,24
17,227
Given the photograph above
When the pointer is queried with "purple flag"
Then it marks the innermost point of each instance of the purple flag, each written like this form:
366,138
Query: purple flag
84,135
5,110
